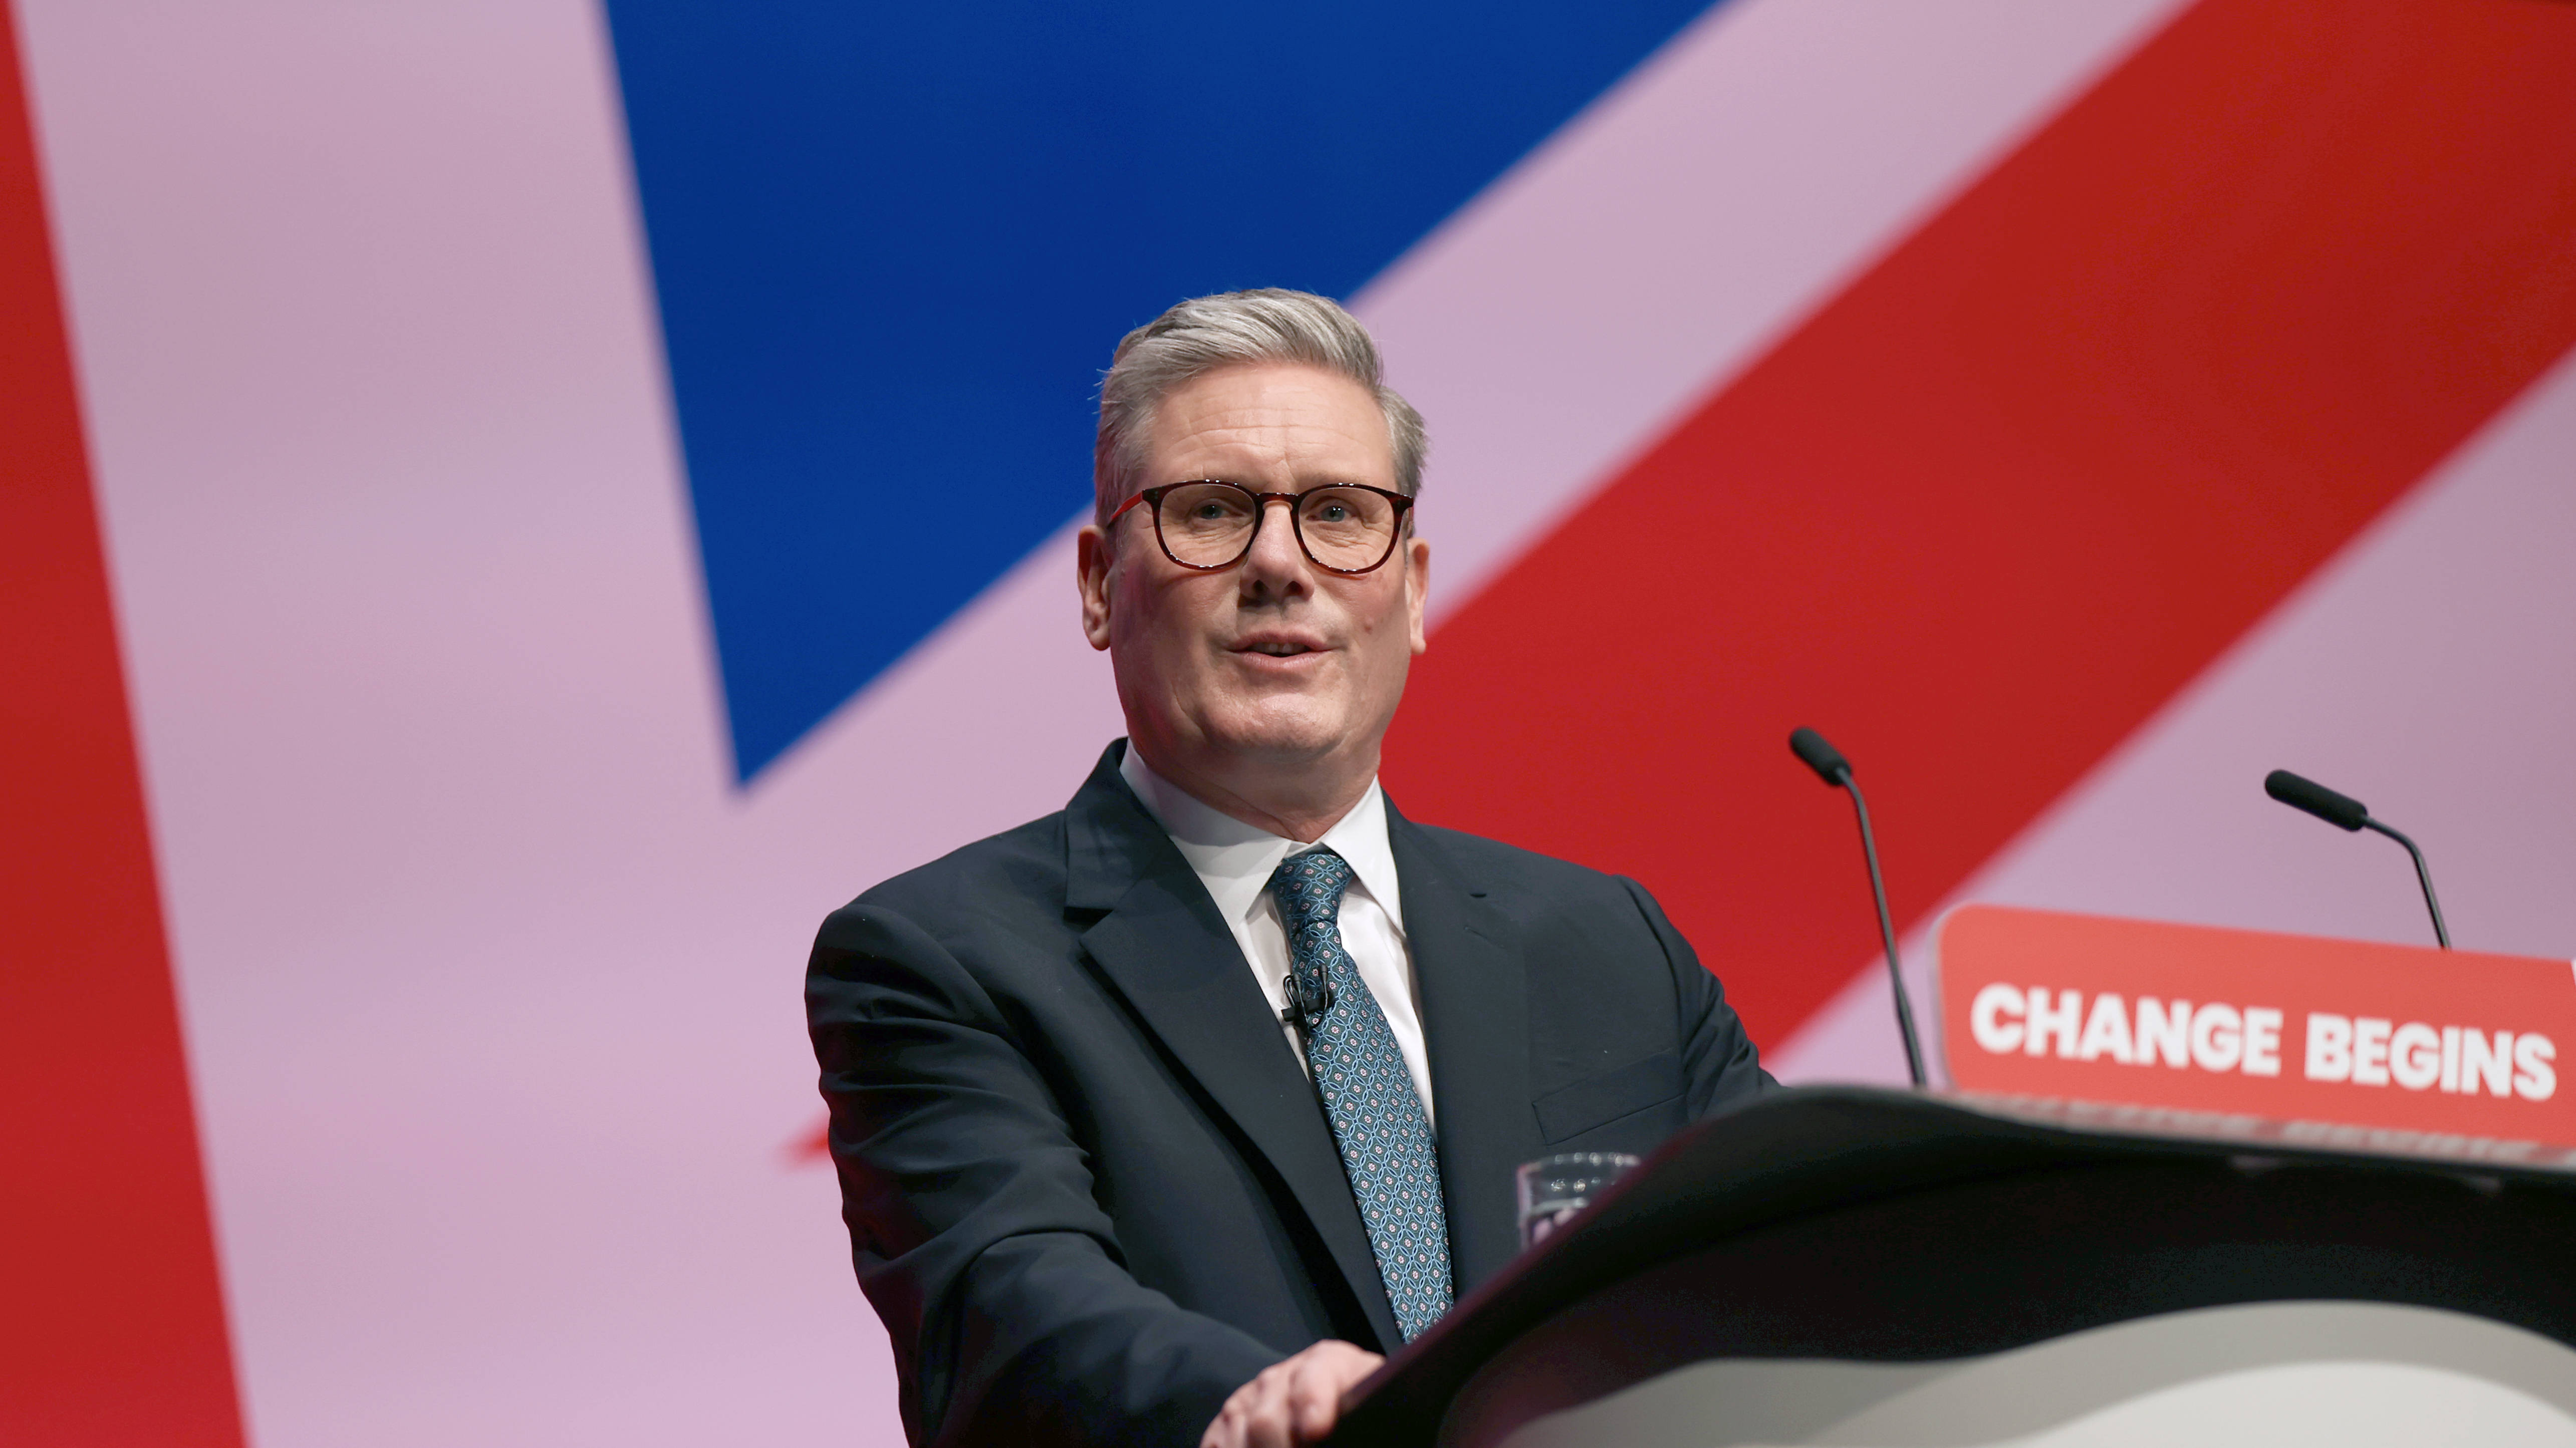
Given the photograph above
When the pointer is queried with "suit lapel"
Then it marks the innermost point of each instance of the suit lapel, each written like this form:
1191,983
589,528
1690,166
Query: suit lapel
1475,1024
1163,945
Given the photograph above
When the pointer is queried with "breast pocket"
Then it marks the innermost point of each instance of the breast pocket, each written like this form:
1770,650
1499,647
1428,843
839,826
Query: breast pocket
1622,1091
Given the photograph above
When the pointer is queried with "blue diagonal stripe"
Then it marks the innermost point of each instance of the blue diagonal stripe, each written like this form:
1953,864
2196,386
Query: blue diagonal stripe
893,245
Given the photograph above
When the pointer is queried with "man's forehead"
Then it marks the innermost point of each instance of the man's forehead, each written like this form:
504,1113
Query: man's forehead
1273,417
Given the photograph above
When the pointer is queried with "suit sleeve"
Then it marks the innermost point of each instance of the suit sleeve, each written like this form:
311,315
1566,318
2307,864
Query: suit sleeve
1719,1064
973,1221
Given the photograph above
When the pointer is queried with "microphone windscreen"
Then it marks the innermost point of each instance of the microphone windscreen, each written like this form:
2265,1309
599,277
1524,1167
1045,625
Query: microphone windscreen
2340,810
1823,758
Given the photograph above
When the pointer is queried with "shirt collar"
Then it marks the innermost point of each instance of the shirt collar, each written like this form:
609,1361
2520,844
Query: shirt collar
1235,859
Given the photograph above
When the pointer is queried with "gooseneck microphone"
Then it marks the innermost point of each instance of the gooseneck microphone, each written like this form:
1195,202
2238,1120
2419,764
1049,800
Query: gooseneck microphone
2346,813
1833,769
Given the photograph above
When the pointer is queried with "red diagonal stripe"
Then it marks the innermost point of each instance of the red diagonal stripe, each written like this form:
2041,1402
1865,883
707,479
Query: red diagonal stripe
2003,498
111,1324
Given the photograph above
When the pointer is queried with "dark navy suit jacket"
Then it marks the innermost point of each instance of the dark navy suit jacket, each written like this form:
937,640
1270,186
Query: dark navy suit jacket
1088,1187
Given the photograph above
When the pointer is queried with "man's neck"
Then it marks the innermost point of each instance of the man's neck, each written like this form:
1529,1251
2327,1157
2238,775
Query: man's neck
1300,807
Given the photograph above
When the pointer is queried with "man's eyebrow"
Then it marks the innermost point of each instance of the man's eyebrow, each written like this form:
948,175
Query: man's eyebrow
1304,483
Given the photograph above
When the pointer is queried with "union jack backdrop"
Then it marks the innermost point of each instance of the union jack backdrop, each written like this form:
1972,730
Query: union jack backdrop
481,572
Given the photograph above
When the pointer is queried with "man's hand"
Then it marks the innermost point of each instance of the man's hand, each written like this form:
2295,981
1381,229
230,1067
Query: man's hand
1294,1401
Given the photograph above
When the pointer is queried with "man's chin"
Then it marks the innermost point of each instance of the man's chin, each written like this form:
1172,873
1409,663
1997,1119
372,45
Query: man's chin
1283,736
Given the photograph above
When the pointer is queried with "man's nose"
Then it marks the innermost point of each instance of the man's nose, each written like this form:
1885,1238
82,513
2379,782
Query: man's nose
1275,560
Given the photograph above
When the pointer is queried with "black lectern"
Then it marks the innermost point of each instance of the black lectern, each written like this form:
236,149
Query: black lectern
1862,1266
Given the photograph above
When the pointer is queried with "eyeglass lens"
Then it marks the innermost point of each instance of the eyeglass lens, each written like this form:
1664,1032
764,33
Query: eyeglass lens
1206,525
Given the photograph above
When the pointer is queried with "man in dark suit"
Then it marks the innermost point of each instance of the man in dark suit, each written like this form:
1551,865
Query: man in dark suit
1161,1119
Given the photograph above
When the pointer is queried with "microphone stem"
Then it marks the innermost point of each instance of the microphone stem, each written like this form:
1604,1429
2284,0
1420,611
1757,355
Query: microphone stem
2423,877
1887,931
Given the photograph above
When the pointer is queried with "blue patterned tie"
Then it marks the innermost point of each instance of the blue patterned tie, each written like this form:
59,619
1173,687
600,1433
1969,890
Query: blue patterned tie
1368,1094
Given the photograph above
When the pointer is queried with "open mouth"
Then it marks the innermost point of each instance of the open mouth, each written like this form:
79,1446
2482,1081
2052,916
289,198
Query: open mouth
1277,650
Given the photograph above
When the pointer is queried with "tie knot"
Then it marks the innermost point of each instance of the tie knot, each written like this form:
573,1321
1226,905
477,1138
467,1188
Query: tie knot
1309,888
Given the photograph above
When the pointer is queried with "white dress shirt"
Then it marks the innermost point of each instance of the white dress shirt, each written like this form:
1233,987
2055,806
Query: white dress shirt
1235,860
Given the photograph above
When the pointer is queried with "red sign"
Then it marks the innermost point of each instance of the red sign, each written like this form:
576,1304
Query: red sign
2310,1035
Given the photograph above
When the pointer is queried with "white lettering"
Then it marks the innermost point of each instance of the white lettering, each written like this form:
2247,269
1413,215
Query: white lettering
2262,1041
2163,1031
2415,1056
2045,1022
1984,1018
2533,1080
2106,1031
2486,1062
2329,1054
2370,1051
2217,1037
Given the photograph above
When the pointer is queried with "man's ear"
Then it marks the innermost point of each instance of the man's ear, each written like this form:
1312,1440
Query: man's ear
1092,557
1417,584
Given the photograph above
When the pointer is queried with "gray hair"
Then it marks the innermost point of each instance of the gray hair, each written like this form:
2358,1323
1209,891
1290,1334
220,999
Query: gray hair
1233,329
